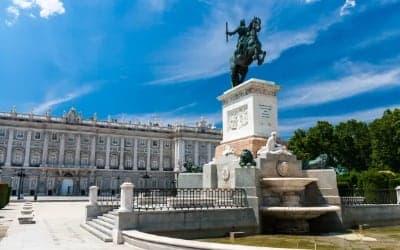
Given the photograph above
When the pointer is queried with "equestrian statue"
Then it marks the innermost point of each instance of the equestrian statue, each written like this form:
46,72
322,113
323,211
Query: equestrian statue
248,49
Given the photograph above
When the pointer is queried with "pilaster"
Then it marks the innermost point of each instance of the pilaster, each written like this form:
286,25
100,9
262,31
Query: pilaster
121,154
135,150
161,167
196,153
62,149
9,146
148,155
93,152
45,148
78,151
209,153
27,148
108,153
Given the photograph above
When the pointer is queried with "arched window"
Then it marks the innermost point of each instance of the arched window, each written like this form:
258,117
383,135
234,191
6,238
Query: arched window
35,158
141,164
2,156
53,157
114,160
18,157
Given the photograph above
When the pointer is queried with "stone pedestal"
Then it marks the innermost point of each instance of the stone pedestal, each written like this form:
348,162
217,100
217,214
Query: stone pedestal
398,194
126,197
249,115
93,195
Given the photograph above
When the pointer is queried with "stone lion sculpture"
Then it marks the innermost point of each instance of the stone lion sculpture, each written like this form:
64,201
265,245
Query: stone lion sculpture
246,158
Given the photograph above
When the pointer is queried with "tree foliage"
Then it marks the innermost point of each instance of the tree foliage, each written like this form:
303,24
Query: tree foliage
353,144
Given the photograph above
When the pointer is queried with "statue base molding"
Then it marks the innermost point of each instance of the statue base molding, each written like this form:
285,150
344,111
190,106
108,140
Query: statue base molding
252,143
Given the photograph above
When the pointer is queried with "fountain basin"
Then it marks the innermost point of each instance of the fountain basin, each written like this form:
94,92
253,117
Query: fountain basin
287,184
293,213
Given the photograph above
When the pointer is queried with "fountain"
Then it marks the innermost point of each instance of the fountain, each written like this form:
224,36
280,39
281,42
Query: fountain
285,198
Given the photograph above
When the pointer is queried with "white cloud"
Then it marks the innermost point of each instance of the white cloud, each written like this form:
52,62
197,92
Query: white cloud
52,102
203,52
179,115
13,14
46,9
333,90
50,7
23,4
288,126
348,4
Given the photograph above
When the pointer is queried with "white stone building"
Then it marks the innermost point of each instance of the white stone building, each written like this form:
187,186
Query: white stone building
65,155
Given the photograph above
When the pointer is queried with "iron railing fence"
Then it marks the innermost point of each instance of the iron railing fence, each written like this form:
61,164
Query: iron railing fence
188,198
108,198
357,196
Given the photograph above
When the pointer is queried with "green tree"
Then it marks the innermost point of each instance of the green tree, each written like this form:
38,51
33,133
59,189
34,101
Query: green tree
353,145
385,140
297,144
320,139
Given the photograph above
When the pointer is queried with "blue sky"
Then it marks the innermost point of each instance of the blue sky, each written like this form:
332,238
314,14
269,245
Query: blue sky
137,60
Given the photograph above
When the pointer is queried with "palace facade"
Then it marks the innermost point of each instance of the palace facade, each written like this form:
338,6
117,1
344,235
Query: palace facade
48,155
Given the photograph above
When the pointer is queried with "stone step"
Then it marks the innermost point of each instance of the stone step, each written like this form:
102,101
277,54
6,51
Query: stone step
97,233
99,227
108,215
106,219
104,223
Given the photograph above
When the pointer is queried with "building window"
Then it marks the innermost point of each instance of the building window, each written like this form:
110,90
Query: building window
155,144
35,158
86,139
115,141
114,160
84,159
69,158
101,140
154,164
2,132
128,142
2,156
167,144
142,142
71,138
142,164
37,136
54,137
18,157
100,162
19,135
53,157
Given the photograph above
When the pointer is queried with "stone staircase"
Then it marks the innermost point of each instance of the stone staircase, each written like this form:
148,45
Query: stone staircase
102,226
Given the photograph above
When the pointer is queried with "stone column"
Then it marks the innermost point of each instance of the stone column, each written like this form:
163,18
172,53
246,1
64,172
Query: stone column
45,149
126,197
78,151
196,153
93,152
28,148
108,148
9,147
93,195
62,149
121,154
161,155
135,154
209,153
398,194
148,154
179,153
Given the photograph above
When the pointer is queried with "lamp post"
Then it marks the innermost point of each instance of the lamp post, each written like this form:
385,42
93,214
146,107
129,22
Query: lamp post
118,187
21,176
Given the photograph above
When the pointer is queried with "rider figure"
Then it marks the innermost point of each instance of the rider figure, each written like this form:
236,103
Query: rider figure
241,31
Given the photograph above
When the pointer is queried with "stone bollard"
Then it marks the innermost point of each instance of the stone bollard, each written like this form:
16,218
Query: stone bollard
93,195
398,194
126,204
124,216
92,209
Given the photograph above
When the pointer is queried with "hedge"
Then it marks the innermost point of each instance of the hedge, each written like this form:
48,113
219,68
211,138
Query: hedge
4,194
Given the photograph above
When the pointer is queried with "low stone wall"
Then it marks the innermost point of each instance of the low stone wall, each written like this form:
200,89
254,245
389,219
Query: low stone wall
190,224
190,180
150,242
373,215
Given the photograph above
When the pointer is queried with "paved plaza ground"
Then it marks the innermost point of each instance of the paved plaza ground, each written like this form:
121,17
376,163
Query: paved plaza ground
57,227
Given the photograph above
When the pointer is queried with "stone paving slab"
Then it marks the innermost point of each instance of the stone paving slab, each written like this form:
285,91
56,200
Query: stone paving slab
57,227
